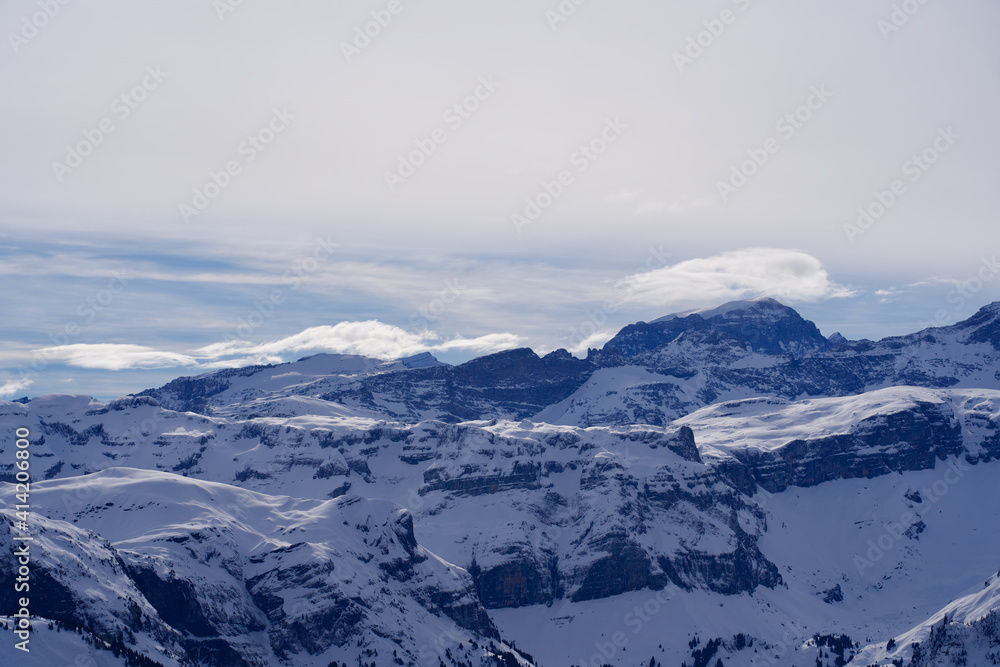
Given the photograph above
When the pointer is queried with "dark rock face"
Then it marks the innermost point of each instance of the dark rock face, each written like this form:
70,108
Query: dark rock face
984,326
604,538
467,611
763,326
740,571
333,623
834,594
684,446
517,582
626,568
700,500
192,394
322,614
511,385
175,600
952,644
179,606
907,440
523,475
59,586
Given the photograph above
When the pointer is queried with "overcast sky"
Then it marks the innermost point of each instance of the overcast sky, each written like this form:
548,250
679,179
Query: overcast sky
188,185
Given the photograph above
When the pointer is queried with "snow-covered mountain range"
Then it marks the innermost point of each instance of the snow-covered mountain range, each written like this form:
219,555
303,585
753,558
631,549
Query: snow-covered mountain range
726,485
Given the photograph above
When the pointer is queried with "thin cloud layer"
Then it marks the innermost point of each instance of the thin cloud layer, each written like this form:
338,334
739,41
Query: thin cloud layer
115,357
369,338
12,387
788,275
595,340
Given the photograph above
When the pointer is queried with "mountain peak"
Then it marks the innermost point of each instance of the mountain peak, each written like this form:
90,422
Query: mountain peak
421,360
762,325
984,326
738,308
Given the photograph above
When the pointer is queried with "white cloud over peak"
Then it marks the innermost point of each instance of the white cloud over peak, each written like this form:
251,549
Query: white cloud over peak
788,275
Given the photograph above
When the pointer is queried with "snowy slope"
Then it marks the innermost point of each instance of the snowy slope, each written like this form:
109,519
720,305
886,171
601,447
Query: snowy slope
239,577
558,522
819,538
965,632
56,647
724,484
